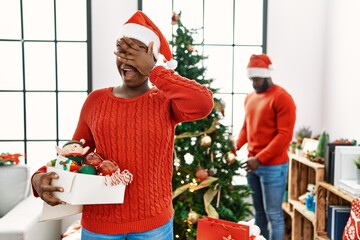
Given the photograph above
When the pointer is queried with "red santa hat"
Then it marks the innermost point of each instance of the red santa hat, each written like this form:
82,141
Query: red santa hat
140,27
259,66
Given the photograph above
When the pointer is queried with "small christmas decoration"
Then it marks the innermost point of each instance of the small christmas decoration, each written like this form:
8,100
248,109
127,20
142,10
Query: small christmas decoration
107,167
93,159
201,174
220,106
205,141
9,159
124,177
70,154
175,18
87,169
190,48
193,217
230,157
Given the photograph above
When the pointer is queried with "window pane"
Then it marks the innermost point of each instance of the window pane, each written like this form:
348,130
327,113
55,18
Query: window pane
38,19
72,66
12,116
213,19
239,113
12,148
219,67
40,66
163,21
227,119
41,115
10,19
39,153
242,55
69,111
191,16
246,33
11,60
71,20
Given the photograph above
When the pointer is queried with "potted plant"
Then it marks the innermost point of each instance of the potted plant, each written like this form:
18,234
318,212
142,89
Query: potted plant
292,146
301,133
298,150
357,164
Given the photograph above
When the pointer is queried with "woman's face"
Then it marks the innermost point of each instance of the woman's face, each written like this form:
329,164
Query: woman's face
130,75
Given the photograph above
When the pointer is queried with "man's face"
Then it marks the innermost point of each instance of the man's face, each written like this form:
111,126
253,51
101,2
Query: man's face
259,84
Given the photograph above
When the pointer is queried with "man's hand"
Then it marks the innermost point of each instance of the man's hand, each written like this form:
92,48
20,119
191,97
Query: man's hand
41,183
132,54
251,164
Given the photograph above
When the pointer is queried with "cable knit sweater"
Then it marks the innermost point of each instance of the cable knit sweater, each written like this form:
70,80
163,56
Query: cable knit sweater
138,133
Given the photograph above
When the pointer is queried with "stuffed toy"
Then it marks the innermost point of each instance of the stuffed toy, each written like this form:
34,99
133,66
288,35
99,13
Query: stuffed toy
70,156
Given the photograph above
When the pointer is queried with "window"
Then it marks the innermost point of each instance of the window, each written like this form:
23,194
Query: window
45,74
228,33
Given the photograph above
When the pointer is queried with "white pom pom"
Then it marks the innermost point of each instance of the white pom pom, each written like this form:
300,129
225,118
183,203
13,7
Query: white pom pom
172,64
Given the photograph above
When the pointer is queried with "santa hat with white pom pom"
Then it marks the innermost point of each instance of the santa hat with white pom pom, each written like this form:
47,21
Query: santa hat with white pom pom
140,27
259,66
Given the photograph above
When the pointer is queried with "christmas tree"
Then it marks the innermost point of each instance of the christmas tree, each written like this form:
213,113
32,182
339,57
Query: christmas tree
205,161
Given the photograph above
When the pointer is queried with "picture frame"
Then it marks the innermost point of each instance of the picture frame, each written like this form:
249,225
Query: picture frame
344,167
309,145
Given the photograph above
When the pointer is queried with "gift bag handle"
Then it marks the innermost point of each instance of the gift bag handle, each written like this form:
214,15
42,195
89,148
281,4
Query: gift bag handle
225,227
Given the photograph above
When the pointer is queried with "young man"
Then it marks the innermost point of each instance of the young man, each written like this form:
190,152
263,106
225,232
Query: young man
134,124
270,114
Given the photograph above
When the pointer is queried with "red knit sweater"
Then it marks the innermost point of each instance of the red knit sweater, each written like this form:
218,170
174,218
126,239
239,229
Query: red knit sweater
268,125
138,134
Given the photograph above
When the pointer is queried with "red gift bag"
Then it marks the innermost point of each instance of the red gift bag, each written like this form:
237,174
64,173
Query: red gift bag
216,229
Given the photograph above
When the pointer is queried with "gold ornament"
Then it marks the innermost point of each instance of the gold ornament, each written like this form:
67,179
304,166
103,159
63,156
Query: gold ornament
193,217
205,141
230,157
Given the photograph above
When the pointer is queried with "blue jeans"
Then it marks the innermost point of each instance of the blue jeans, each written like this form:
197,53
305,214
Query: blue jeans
268,185
164,232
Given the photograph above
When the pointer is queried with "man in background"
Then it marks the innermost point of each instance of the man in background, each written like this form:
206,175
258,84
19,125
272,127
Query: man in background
270,114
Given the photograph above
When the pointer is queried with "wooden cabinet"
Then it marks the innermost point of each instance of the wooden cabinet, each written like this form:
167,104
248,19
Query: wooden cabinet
302,172
327,195
306,224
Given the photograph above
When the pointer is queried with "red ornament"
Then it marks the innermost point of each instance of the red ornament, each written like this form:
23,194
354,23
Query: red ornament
201,174
93,159
107,167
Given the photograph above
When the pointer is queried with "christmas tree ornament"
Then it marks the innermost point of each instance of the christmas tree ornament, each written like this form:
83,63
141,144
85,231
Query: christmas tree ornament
176,161
175,18
93,159
107,167
230,157
87,169
205,141
230,187
202,174
193,217
220,106
190,48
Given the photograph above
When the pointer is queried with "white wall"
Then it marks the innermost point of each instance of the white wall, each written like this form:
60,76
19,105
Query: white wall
314,46
107,17
342,79
296,35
